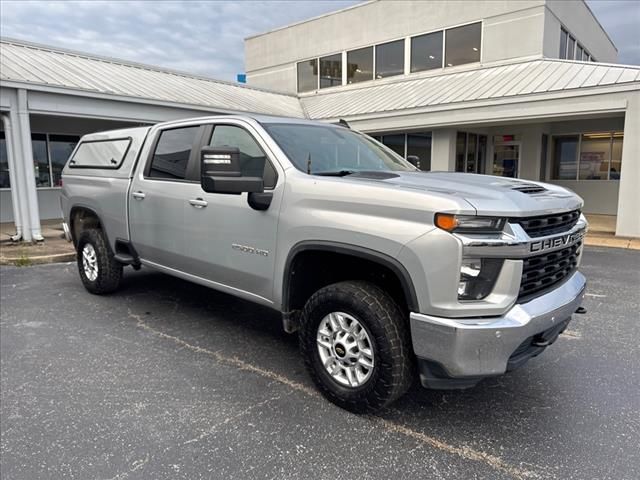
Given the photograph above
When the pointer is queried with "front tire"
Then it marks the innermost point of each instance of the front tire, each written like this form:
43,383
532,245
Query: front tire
99,271
355,345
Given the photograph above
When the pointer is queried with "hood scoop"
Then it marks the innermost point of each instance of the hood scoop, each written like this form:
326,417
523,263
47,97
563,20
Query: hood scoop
529,188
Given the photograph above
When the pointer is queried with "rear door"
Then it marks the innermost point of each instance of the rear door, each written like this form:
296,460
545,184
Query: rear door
231,244
158,196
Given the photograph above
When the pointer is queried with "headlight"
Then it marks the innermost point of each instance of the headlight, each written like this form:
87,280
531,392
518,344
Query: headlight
468,223
477,277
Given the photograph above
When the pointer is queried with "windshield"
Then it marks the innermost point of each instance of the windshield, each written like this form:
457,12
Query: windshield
322,149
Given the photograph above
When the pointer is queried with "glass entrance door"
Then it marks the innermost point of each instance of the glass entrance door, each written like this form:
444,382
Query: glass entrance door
506,159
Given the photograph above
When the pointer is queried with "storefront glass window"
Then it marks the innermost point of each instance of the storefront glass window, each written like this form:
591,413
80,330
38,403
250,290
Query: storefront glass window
461,148
390,59
331,71
60,149
616,156
395,143
595,153
360,65
4,163
472,140
426,52
565,161
599,155
463,44
419,144
40,159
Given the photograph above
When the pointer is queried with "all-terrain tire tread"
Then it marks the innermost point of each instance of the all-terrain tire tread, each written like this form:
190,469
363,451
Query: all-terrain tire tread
390,332
109,270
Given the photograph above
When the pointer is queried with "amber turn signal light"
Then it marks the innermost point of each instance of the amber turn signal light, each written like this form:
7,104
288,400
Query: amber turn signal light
446,221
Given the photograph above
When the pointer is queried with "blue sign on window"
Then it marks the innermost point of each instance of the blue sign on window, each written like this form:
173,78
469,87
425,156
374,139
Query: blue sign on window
241,77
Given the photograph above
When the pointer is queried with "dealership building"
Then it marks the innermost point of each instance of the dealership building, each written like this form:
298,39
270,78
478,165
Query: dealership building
528,89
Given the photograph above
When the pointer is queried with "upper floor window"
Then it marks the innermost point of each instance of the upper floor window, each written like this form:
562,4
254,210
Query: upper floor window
171,157
308,75
360,65
390,59
462,44
426,52
571,46
331,70
564,39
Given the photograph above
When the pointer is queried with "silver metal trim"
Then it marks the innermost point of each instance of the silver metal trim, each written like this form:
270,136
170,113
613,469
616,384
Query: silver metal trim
515,243
67,232
482,346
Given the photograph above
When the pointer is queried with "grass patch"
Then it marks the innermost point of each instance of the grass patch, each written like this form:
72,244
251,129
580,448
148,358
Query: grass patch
23,260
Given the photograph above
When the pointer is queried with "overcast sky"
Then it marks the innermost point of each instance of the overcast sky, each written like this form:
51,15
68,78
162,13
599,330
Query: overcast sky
207,37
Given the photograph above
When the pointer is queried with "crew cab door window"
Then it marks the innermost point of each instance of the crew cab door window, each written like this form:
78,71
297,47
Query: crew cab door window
172,153
253,161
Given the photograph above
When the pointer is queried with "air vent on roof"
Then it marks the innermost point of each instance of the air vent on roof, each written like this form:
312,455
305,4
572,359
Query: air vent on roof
529,188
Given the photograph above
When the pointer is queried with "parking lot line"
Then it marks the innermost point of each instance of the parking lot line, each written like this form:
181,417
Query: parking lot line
464,452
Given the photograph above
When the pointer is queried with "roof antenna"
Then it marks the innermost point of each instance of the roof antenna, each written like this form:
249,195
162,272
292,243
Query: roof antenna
344,123
309,164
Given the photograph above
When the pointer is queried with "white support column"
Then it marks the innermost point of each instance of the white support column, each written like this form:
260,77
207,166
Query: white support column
13,178
628,221
443,150
19,163
28,170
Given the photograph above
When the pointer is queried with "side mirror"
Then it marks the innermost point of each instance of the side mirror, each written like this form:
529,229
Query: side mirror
414,160
220,172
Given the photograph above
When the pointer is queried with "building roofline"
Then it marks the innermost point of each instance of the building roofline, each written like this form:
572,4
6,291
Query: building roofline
128,63
600,25
445,72
584,2
307,20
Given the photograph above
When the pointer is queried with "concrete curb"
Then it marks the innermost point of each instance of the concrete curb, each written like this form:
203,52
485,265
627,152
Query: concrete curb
26,261
611,241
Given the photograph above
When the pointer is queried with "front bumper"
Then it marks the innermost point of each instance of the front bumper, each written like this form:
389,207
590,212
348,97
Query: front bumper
480,347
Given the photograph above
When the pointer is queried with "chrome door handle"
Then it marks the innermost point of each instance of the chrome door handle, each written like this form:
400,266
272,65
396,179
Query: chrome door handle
198,202
138,195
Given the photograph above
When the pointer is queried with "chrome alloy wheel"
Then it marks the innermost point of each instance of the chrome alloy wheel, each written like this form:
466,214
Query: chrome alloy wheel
345,349
90,262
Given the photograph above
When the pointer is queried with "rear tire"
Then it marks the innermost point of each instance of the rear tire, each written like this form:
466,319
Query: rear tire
99,271
355,345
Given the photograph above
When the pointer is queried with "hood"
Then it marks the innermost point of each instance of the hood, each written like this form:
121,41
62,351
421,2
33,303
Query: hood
489,195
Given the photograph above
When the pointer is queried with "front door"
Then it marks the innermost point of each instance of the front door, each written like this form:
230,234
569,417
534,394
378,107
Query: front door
506,159
230,243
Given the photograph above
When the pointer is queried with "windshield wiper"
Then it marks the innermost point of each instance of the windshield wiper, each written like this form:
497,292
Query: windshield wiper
336,173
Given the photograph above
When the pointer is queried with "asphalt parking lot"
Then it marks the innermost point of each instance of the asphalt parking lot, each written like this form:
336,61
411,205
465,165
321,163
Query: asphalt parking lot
166,379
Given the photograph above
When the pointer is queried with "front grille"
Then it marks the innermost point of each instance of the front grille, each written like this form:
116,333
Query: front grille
542,272
548,224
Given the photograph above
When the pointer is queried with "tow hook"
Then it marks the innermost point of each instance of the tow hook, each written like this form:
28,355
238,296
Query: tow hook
581,310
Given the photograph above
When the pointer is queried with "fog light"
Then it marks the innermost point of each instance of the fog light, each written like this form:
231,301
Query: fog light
477,277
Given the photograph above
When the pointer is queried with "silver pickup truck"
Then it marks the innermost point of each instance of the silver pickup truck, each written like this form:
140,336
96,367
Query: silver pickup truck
386,272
